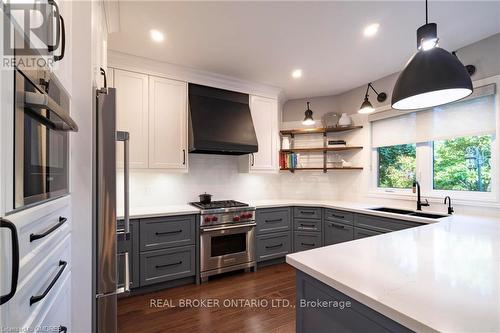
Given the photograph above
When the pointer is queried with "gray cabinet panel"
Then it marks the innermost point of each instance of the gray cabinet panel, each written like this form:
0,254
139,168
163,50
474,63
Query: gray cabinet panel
354,318
131,246
165,232
307,212
273,220
335,232
382,224
303,240
362,233
341,216
307,224
272,246
165,265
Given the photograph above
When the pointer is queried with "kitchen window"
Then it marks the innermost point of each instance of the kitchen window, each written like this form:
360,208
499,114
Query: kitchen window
396,166
450,149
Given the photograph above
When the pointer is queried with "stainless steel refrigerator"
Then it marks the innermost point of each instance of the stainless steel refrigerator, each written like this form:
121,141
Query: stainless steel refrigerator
106,232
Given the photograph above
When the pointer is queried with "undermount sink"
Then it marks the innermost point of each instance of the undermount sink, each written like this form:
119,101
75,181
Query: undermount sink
408,212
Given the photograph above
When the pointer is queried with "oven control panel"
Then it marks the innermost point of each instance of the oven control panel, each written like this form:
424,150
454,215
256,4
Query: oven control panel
227,217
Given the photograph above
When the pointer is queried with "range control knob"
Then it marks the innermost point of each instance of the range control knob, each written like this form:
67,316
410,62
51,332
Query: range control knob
207,219
214,219
236,219
249,215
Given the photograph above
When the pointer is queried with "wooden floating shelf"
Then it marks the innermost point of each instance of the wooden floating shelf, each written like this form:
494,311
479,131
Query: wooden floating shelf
296,150
318,168
319,130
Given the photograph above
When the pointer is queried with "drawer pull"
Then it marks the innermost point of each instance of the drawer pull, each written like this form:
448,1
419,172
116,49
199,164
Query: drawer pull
307,244
338,226
38,298
338,216
307,212
274,220
168,232
307,225
62,220
63,329
168,265
274,246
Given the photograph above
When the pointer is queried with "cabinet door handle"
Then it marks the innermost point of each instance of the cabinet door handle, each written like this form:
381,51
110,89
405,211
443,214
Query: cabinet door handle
274,220
253,159
168,232
184,157
274,246
168,265
15,260
63,329
306,212
62,220
338,216
38,298
63,41
307,244
338,226
307,225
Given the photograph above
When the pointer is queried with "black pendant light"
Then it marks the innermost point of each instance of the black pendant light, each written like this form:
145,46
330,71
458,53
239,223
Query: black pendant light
308,119
432,77
366,106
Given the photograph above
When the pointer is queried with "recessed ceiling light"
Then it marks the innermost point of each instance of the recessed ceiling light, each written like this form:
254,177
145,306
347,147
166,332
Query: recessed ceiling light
156,35
371,30
297,73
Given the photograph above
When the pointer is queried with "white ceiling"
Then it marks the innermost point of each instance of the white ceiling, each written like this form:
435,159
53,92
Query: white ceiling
264,41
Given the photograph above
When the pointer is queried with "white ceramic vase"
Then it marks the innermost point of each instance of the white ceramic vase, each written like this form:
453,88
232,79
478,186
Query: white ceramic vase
345,120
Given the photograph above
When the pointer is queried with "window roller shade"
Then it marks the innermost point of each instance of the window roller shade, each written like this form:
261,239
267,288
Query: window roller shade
474,115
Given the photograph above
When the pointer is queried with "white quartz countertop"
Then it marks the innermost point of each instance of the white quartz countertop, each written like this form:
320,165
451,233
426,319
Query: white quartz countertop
184,209
156,211
439,277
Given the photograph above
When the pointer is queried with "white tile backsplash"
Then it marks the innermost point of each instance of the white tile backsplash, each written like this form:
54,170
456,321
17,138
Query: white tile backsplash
219,176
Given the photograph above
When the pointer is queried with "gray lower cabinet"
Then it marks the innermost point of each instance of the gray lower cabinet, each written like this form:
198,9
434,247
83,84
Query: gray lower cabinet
168,264
306,240
165,232
273,246
347,315
362,233
271,220
336,232
307,225
307,212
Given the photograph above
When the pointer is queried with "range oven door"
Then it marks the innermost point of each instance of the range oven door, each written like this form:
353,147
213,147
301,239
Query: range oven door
41,148
225,246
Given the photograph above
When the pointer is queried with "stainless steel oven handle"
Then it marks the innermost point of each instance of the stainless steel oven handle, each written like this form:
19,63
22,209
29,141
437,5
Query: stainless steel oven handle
125,137
38,101
229,227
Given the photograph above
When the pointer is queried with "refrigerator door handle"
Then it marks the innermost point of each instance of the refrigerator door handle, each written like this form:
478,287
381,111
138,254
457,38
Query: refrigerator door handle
126,282
125,137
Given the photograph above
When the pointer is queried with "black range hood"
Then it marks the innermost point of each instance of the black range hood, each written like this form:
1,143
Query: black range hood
220,122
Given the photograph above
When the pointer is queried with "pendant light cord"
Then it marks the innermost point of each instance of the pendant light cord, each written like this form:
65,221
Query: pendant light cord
426,12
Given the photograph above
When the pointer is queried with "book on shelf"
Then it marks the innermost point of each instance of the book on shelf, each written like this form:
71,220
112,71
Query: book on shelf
288,160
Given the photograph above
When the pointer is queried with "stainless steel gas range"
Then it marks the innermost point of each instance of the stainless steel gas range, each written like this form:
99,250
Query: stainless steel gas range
227,237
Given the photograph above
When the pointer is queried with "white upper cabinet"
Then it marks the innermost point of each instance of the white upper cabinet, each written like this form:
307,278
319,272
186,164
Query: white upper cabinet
167,124
132,115
265,120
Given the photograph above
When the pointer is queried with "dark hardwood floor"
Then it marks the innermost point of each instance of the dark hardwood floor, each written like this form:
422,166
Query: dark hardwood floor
271,289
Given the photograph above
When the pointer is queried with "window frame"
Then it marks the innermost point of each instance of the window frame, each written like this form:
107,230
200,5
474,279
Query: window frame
425,167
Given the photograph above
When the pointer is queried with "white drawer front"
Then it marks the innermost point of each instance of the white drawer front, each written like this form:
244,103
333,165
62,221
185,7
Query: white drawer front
37,221
18,313
57,314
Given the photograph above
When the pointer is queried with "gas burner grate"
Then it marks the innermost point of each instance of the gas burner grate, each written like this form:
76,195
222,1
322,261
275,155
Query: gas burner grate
219,204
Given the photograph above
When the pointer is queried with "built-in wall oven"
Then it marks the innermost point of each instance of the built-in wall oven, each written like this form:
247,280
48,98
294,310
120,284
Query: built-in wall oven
41,140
